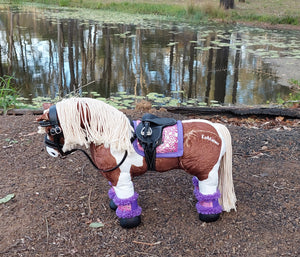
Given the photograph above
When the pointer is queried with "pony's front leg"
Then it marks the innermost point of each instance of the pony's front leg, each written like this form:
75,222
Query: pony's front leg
124,198
207,194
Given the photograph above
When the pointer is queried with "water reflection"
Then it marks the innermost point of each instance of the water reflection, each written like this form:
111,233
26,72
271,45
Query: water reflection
51,57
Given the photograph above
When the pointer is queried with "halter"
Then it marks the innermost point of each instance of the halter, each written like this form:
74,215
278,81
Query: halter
57,133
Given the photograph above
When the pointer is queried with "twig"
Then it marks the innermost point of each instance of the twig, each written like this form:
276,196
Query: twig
89,202
82,171
103,206
144,243
10,247
47,230
243,181
139,253
285,188
57,197
80,88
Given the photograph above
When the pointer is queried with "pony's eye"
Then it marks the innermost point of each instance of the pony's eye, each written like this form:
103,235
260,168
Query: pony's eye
55,131
52,131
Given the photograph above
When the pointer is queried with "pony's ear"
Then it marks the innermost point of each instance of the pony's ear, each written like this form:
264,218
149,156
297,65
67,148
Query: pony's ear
47,106
44,116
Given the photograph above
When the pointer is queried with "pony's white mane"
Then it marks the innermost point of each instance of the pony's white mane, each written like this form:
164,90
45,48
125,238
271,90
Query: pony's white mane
86,120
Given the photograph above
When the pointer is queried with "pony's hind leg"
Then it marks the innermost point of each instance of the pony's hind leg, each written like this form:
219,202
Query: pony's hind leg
207,194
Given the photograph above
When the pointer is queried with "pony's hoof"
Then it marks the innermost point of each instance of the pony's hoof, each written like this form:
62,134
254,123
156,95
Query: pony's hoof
130,222
209,217
112,205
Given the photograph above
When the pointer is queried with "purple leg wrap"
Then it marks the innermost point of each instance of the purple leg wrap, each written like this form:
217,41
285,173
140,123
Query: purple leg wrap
128,208
207,204
111,193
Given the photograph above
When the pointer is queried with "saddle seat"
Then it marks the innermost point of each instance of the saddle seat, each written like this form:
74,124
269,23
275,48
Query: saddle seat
149,133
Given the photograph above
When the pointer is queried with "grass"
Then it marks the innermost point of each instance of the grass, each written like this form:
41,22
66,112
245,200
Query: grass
293,99
8,94
271,11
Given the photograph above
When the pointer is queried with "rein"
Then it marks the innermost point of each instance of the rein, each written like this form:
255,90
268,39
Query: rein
57,134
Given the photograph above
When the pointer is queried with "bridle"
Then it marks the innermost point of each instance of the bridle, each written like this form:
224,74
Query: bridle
57,134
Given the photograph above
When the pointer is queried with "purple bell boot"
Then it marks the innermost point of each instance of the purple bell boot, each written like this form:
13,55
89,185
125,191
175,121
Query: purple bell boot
128,211
207,206
111,195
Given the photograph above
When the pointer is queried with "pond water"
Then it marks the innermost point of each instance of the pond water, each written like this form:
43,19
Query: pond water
52,56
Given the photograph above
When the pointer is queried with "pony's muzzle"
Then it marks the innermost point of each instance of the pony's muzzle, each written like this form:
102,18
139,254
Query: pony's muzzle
52,152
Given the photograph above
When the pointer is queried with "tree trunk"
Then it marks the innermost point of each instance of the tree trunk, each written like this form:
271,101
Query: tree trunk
235,111
227,4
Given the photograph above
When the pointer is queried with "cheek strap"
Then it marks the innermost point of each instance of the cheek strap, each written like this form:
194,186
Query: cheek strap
57,146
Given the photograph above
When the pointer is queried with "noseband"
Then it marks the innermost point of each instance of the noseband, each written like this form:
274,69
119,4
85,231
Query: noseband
57,134
55,131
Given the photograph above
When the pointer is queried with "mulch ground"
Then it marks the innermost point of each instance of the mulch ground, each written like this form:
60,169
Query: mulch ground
56,199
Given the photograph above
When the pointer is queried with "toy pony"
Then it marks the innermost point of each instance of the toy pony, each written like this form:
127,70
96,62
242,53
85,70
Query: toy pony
122,149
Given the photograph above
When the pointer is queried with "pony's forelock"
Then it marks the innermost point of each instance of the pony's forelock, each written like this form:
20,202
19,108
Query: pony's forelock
86,120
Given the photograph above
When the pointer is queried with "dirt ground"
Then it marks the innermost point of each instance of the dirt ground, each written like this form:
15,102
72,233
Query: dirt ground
56,199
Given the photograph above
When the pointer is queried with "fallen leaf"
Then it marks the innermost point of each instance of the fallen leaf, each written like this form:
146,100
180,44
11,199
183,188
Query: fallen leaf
287,128
279,118
7,198
96,225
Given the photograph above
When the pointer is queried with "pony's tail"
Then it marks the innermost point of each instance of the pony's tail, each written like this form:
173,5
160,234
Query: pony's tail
226,188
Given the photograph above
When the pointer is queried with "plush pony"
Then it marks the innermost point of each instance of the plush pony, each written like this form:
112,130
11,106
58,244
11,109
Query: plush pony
122,149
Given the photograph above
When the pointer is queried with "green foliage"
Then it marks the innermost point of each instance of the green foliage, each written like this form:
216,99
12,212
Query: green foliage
146,8
193,11
215,12
64,3
8,94
293,97
287,19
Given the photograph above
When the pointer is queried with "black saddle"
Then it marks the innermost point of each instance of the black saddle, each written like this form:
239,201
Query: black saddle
149,134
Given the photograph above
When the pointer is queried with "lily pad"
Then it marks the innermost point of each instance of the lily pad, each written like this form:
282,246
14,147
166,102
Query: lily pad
172,44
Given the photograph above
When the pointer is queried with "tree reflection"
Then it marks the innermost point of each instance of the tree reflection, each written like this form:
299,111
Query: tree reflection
61,67
210,70
73,85
236,69
191,66
1,66
221,72
56,57
107,67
